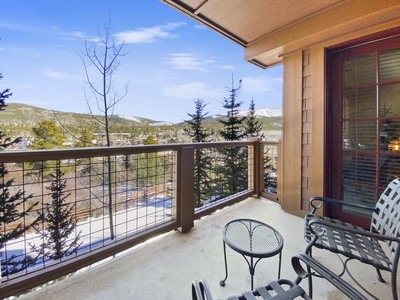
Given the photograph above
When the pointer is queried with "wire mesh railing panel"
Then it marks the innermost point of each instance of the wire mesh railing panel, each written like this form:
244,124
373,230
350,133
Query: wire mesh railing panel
220,173
270,156
56,210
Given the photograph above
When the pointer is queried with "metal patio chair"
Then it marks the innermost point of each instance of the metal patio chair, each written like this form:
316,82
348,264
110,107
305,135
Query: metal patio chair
285,289
281,289
354,242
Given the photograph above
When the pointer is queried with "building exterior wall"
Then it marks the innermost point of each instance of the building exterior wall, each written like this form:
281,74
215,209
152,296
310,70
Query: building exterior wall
289,188
303,130
304,117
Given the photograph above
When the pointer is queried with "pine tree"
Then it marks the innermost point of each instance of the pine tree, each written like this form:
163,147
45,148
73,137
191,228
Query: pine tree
270,180
151,166
253,126
202,161
12,208
233,166
232,130
48,135
59,222
196,129
86,138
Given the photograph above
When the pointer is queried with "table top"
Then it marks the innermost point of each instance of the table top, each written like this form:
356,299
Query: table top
252,238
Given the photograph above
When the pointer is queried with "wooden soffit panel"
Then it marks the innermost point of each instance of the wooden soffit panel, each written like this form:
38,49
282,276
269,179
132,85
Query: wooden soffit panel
268,29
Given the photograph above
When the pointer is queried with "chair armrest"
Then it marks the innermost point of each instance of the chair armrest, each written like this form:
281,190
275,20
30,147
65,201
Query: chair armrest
338,202
325,273
350,229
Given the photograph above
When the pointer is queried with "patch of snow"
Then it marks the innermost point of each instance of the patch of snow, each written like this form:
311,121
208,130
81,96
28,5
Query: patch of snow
161,123
264,112
131,118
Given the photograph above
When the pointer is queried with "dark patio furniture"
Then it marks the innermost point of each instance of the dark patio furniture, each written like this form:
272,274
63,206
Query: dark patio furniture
281,289
354,242
254,240
285,289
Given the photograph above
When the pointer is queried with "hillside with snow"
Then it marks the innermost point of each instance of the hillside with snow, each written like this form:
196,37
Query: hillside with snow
265,112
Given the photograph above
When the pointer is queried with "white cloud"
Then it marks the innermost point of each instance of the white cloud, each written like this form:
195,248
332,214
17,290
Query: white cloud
187,61
191,61
199,26
73,36
192,90
148,35
256,84
61,75
228,67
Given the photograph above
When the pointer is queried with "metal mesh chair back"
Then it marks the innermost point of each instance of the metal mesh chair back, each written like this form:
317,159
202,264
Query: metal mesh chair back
387,220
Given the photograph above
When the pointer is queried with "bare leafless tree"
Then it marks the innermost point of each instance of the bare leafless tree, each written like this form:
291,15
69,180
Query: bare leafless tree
100,59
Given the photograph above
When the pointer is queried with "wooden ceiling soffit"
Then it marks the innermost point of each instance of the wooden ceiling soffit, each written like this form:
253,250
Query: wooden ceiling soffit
339,21
195,13
344,19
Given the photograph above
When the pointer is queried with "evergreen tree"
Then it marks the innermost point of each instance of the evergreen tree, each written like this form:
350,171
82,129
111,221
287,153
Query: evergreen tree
253,126
232,126
48,135
196,130
150,140
59,222
14,209
202,161
151,167
86,138
270,180
233,166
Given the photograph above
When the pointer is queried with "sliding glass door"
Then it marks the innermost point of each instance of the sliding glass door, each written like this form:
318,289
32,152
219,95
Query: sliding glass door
363,124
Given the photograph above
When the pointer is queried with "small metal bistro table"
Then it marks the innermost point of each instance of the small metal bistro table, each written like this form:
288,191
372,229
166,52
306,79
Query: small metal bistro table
252,239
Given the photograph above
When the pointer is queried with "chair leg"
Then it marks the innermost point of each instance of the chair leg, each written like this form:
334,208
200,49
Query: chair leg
394,284
380,278
308,274
310,283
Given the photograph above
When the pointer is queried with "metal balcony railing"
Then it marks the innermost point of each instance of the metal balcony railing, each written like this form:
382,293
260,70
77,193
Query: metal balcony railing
111,199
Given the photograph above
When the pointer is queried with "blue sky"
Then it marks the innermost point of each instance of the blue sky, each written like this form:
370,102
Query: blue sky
171,60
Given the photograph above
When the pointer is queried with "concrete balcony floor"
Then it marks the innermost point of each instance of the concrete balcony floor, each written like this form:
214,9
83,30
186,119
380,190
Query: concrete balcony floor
164,268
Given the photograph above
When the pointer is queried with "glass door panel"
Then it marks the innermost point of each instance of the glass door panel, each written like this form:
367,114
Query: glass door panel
359,103
365,107
359,70
389,65
361,134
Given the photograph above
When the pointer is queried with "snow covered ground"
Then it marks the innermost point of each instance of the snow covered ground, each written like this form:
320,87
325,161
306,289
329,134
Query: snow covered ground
95,233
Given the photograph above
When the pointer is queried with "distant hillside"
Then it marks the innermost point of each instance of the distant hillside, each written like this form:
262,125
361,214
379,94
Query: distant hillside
22,114
264,112
269,117
19,119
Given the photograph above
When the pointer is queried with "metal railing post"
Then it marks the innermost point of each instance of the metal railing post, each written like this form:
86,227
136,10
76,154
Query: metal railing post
186,187
256,166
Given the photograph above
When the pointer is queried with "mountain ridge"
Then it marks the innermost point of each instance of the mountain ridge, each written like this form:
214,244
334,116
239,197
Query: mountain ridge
18,113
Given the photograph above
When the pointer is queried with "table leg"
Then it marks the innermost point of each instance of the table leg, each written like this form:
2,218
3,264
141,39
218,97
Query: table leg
252,269
280,265
222,282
